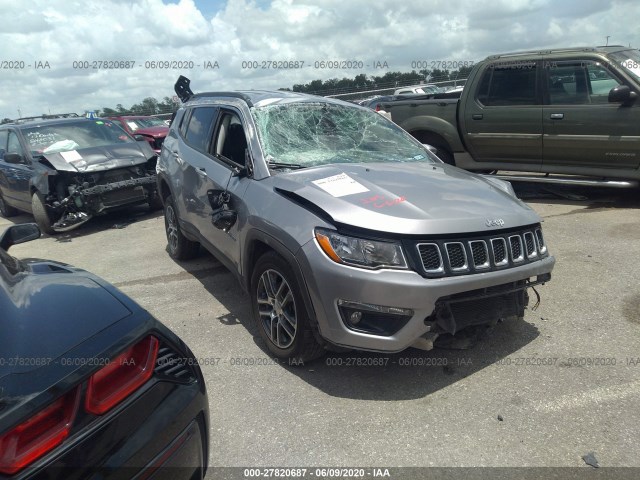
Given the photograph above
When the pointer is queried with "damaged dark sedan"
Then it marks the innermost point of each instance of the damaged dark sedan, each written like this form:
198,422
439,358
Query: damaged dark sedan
67,170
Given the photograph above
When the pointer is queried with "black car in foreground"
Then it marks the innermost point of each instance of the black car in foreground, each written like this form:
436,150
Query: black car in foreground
67,169
91,385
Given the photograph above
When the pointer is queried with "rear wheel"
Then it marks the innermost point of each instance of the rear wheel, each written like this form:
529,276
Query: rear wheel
179,246
279,311
6,210
41,213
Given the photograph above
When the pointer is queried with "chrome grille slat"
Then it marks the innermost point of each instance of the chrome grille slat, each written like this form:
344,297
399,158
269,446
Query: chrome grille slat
499,247
480,254
431,257
530,245
457,256
515,245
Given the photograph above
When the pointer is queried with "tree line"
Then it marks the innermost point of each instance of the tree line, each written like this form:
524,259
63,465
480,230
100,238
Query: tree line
332,86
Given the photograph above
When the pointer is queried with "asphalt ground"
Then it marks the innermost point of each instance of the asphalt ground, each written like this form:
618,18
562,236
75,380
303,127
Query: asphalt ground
542,392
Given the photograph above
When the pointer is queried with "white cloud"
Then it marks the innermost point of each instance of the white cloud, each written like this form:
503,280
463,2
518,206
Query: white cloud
62,32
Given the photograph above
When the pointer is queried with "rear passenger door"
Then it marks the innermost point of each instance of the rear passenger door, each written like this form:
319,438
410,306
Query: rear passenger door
503,123
581,128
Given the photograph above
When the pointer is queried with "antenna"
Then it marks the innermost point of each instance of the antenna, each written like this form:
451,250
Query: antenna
608,40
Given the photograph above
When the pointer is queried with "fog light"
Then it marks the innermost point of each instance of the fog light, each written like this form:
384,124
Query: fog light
355,317
373,319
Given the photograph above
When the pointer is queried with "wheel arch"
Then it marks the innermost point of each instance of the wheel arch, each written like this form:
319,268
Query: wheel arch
257,243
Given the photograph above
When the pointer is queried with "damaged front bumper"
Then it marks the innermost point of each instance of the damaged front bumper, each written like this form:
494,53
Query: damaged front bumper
85,200
405,305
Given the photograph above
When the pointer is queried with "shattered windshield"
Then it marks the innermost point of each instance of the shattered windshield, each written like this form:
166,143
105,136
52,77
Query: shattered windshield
630,61
67,136
308,134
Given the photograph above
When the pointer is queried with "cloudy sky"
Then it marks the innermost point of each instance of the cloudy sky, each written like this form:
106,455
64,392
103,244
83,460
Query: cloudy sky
43,40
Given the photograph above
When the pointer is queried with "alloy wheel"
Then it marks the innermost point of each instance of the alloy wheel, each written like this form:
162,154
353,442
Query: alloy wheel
277,308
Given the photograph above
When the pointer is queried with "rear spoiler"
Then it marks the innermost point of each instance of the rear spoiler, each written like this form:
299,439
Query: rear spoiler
182,89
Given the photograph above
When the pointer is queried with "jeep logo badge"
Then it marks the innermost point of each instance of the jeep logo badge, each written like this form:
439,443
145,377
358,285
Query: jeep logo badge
495,222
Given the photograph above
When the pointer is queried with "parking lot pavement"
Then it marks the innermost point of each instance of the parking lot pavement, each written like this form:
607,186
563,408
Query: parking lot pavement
540,392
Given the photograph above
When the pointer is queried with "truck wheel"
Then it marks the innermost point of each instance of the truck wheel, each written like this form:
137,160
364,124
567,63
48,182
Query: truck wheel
280,313
6,210
180,247
41,214
442,150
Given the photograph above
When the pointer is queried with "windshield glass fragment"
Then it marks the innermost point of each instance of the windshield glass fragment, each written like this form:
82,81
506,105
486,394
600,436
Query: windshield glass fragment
308,134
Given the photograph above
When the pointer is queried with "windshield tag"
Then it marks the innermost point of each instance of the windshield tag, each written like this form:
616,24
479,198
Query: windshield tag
340,185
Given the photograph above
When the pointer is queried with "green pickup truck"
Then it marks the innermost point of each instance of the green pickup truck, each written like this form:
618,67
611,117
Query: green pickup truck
574,112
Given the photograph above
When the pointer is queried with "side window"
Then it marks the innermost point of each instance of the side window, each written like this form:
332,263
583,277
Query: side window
579,83
601,81
13,145
230,141
508,84
4,134
199,128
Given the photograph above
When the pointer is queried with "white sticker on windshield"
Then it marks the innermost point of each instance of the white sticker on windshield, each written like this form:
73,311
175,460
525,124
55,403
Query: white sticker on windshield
71,156
340,185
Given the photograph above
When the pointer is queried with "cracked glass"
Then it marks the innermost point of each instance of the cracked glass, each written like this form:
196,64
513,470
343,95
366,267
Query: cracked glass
308,134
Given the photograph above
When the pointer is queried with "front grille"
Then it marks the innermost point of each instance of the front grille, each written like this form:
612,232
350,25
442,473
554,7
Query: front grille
172,366
451,256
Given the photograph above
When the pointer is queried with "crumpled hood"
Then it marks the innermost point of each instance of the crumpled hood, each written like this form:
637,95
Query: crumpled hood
406,198
96,159
48,312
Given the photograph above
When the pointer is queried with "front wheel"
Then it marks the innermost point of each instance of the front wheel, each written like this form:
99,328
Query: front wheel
41,214
279,311
6,210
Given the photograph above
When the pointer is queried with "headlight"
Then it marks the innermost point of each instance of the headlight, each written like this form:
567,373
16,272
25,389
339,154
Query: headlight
360,252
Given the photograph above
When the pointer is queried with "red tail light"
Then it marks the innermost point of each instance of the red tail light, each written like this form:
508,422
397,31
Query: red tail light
38,435
377,107
122,376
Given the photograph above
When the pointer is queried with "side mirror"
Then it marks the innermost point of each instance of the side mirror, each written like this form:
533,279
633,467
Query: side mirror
16,234
621,94
13,158
431,148
140,138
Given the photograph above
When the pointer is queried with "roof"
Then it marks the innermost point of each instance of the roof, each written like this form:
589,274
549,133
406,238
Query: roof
256,97
552,51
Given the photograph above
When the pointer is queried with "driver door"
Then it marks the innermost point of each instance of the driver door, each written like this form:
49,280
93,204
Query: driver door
581,128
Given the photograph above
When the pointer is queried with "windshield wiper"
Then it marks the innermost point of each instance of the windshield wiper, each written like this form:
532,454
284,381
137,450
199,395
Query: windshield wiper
276,165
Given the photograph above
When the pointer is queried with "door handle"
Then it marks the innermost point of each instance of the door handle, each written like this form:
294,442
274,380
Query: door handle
202,171
477,116
557,116
176,156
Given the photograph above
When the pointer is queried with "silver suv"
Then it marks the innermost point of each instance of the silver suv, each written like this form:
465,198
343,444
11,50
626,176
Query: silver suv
343,228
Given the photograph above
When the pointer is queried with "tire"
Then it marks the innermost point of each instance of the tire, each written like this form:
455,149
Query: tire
40,213
178,246
280,313
6,211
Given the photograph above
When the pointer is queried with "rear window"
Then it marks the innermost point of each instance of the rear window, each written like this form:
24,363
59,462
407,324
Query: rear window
507,83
